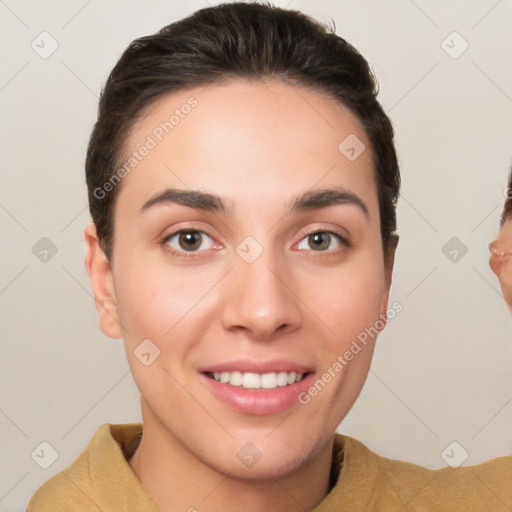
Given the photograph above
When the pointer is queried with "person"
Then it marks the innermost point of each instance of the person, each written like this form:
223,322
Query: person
243,181
501,248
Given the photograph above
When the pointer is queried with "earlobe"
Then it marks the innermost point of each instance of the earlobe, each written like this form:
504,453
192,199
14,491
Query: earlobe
495,264
100,274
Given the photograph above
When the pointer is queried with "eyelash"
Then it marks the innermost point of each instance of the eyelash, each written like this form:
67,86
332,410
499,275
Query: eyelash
193,254
343,240
182,254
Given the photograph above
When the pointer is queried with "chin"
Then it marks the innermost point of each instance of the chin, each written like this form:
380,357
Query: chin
279,466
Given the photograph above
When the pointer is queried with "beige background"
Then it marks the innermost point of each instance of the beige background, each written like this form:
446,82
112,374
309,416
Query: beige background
442,369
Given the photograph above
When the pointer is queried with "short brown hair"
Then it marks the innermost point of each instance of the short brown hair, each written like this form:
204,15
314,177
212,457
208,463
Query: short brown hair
236,40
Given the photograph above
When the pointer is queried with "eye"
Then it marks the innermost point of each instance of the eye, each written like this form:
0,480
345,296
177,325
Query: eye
189,241
322,241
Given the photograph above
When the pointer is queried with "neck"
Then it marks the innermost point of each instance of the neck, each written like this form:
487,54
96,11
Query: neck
175,479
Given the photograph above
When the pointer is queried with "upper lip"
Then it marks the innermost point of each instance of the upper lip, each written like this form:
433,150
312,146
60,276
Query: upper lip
252,366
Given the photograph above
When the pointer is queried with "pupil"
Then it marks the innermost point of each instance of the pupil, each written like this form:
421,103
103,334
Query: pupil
320,241
190,241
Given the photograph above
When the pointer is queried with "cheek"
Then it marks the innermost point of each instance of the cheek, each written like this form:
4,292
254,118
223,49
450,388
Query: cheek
148,308
154,298
160,304
349,303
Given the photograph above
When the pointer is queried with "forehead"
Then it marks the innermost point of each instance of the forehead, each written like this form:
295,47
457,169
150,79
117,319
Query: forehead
249,140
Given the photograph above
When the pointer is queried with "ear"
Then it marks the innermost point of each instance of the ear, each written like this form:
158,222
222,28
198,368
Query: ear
495,264
100,274
389,263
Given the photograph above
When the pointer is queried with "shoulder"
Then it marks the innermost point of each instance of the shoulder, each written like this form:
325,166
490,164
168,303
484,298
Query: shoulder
93,478
62,494
69,490
400,482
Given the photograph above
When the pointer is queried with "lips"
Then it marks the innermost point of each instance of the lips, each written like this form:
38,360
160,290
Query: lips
260,367
258,387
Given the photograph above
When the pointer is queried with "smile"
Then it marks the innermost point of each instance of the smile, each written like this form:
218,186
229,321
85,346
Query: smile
249,380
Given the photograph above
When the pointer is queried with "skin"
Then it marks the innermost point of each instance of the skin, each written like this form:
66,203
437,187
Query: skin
502,267
258,145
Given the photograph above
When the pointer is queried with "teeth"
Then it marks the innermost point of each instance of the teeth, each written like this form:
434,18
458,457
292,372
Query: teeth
268,381
256,380
236,378
282,379
250,380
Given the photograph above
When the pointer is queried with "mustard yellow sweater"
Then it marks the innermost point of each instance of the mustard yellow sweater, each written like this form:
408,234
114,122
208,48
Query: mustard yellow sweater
101,480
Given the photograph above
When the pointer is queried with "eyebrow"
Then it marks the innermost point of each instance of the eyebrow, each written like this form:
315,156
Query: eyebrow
190,198
310,200
323,198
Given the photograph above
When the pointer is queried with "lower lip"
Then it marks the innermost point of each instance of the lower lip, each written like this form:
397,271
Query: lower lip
259,402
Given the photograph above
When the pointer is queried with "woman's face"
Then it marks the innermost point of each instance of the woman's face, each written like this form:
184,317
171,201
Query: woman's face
247,249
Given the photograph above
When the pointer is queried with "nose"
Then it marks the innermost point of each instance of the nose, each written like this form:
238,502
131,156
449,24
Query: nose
259,299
